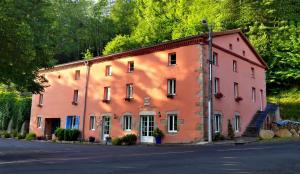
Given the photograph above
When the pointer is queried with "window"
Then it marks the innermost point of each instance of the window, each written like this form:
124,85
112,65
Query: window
77,74
230,46
252,72
72,122
234,66
217,123
244,53
172,59
171,86
253,95
108,70
92,122
130,66
106,93
237,123
39,122
238,39
127,120
172,123
236,89
217,86
129,91
41,99
75,97
215,58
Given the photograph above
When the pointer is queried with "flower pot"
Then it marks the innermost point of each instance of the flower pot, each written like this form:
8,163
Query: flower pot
158,140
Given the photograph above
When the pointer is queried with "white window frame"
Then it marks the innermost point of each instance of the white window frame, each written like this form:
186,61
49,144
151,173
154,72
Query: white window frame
236,89
129,66
237,122
170,59
39,121
253,92
127,122
108,70
215,58
172,123
107,92
234,66
171,86
216,85
92,122
217,122
73,122
41,99
129,90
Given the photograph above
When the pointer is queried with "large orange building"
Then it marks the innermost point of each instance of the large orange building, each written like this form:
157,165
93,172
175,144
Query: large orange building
163,85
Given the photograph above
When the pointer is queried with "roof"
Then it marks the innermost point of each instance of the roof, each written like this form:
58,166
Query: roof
190,40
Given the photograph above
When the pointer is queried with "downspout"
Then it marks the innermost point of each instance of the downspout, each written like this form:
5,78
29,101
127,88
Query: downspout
86,63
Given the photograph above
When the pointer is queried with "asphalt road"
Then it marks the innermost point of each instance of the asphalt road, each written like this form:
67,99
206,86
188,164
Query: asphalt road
37,157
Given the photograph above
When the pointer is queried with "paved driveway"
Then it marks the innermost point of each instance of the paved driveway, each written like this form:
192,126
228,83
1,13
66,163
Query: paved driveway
37,157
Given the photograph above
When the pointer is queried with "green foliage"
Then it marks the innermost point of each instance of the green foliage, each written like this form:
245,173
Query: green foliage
129,139
6,134
20,137
30,136
14,133
117,141
67,134
218,136
289,103
230,130
158,133
87,55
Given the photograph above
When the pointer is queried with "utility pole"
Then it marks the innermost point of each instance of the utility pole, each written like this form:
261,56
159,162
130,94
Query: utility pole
210,98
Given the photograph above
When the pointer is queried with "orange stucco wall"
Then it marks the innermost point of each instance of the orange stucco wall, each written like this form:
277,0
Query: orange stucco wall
149,79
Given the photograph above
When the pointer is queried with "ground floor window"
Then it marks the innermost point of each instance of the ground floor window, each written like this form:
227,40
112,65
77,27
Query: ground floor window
39,121
72,122
92,123
127,120
172,123
217,123
237,123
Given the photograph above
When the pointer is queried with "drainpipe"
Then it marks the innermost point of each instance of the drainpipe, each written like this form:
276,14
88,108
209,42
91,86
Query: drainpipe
86,63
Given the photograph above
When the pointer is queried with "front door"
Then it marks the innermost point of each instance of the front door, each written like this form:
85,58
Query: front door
147,128
105,127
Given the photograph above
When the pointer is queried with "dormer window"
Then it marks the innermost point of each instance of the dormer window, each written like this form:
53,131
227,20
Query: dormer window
172,59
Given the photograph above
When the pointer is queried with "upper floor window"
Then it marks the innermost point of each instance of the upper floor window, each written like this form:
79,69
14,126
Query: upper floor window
171,86
130,66
253,93
72,122
217,86
217,123
172,59
244,53
127,122
77,74
129,90
92,122
107,93
252,72
230,46
234,66
237,122
215,58
236,89
75,97
172,123
108,70
39,122
41,99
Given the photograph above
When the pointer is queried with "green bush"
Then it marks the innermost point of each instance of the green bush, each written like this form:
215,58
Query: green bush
20,136
30,136
158,133
129,139
74,134
6,135
14,133
67,134
230,130
60,133
218,136
117,141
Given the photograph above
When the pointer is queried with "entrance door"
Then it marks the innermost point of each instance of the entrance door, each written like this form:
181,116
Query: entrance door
147,128
105,127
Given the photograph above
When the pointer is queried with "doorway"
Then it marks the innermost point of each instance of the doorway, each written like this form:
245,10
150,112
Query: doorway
147,128
105,127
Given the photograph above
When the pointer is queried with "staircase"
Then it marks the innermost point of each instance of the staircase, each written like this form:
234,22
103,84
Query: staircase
257,121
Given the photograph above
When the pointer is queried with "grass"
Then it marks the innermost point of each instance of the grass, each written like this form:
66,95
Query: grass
278,139
289,102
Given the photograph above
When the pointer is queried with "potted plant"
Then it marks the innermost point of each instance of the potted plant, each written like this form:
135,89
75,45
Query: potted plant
218,95
158,134
238,99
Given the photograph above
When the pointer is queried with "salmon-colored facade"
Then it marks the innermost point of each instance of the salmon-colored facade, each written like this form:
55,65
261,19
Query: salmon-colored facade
162,86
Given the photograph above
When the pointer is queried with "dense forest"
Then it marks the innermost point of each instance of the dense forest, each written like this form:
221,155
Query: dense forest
41,33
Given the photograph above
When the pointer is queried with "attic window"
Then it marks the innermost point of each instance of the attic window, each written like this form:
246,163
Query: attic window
244,52
238,39
230,46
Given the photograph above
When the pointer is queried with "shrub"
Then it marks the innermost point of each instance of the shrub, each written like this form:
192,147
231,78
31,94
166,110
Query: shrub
30,136
40,138
67,135
59,133
158,133
230,130
73,134
91,139
117,141
129,139
14,133
218,136
6,135
20,136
